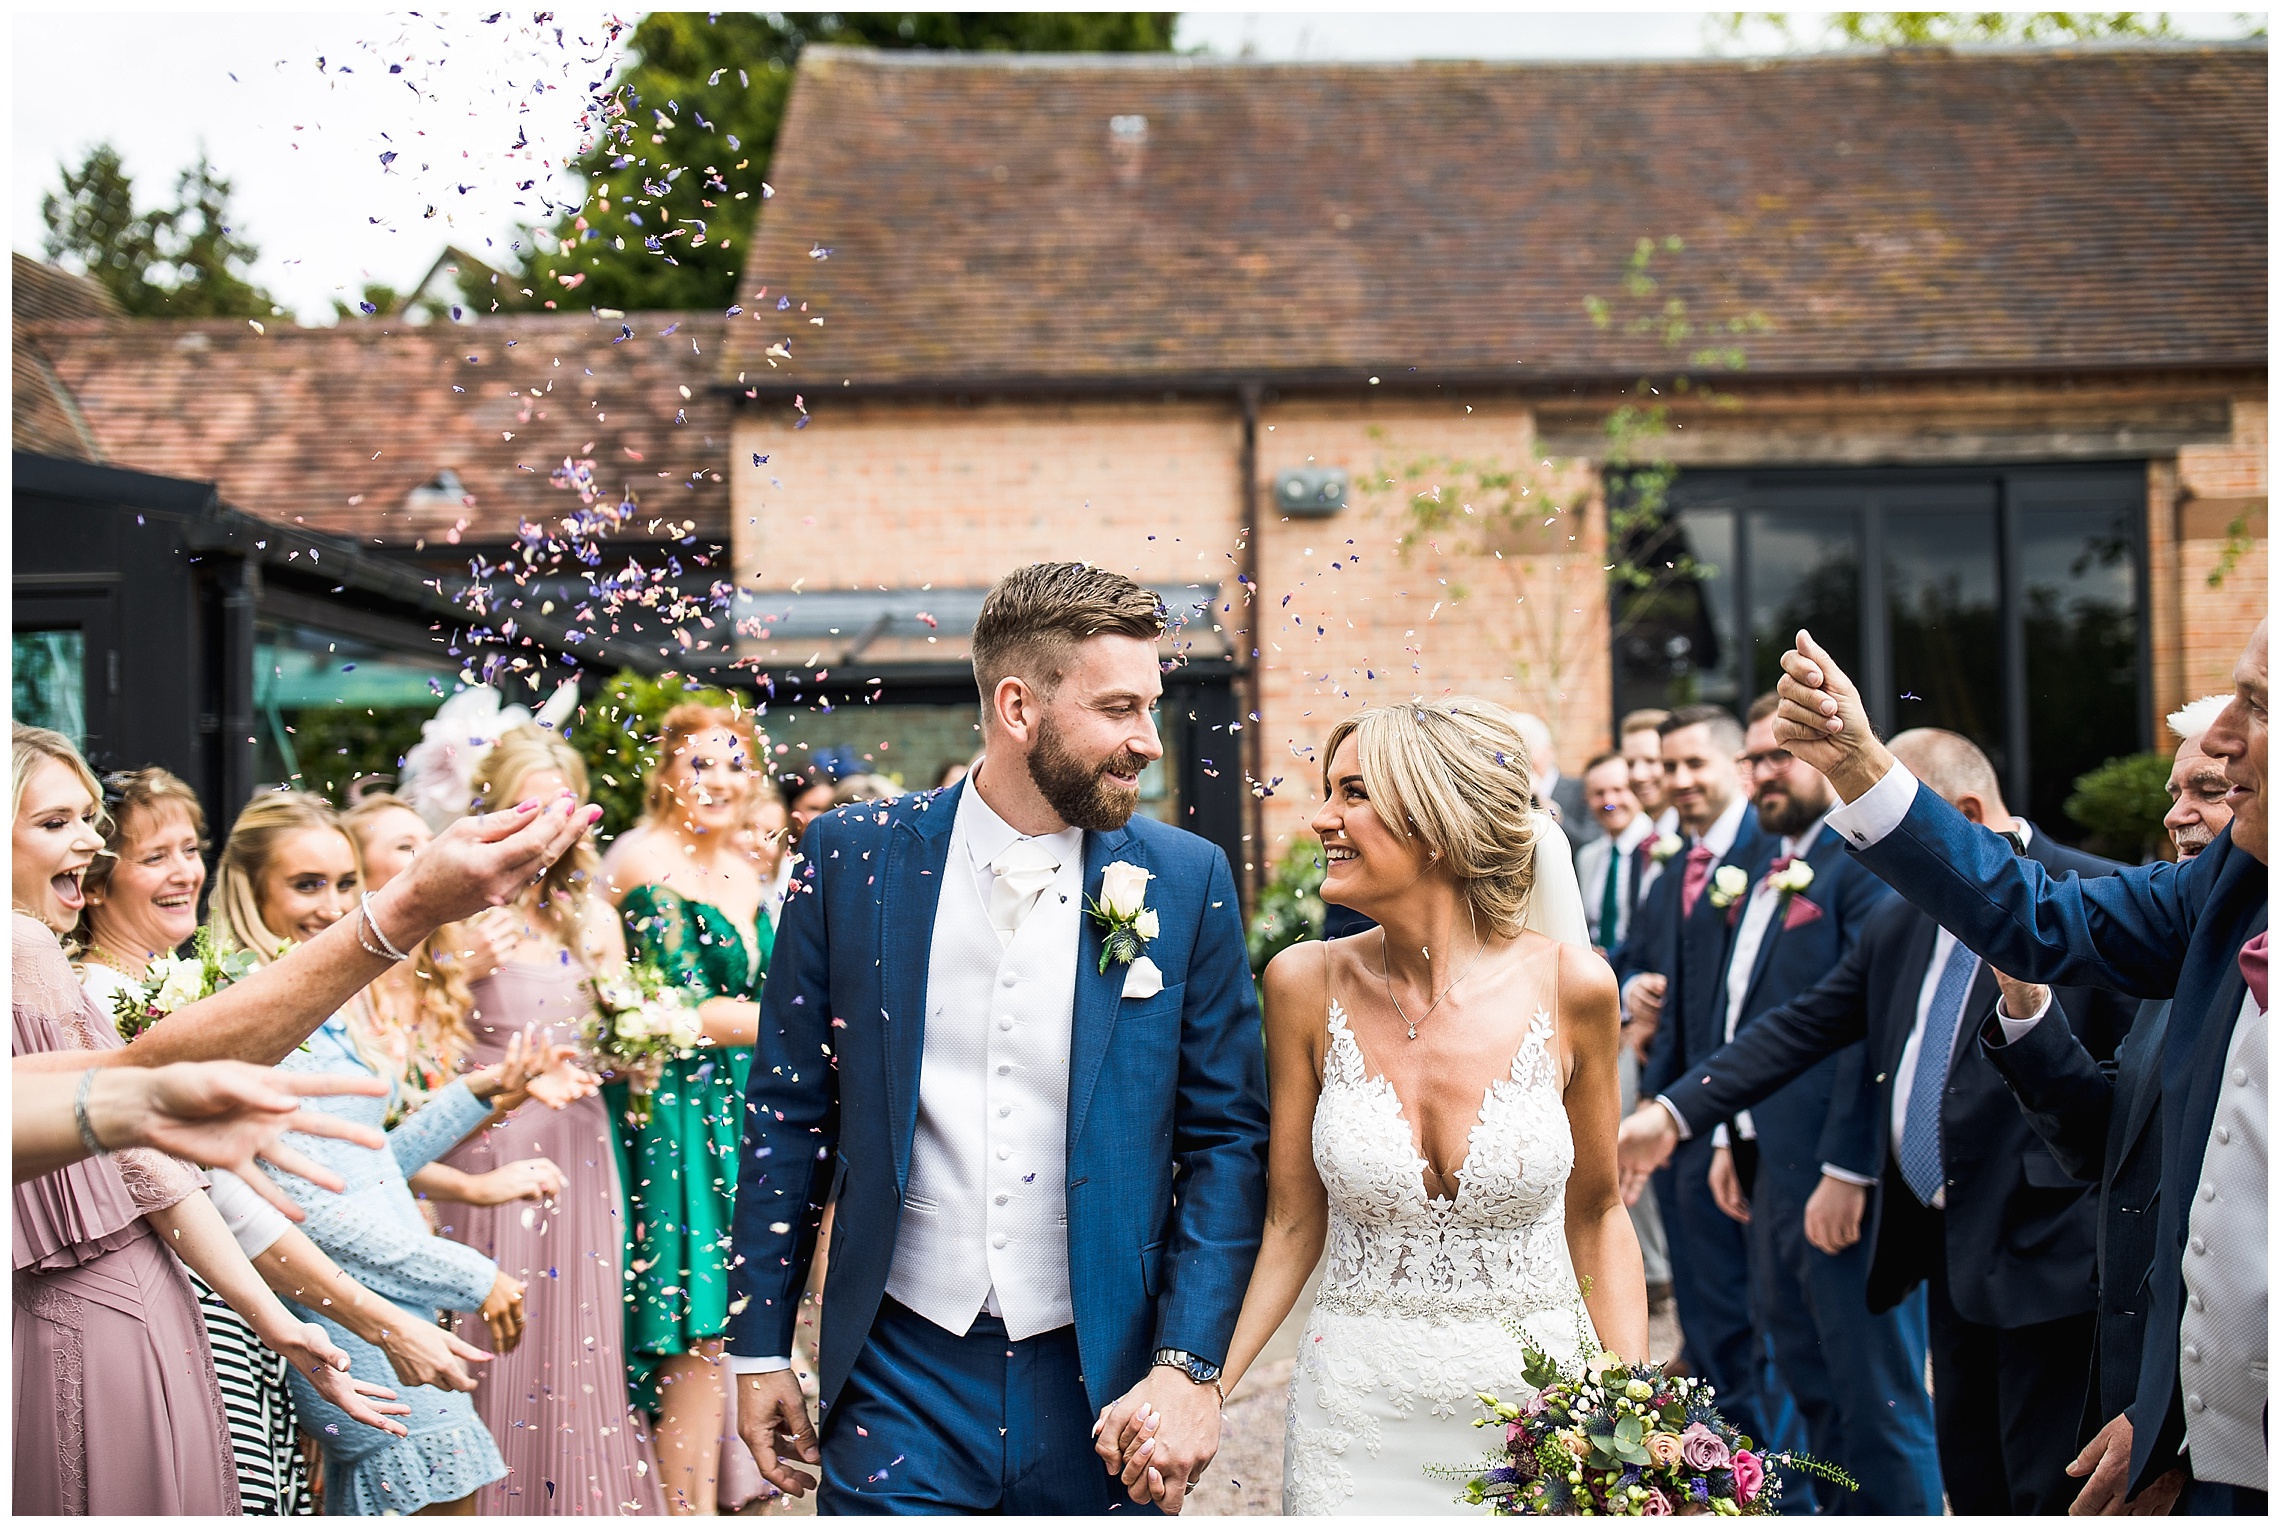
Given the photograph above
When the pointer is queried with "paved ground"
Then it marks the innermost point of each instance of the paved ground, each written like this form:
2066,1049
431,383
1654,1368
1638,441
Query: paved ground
1246,1479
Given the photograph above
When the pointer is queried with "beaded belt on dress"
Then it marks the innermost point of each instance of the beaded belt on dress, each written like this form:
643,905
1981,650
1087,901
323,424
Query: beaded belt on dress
1415,1305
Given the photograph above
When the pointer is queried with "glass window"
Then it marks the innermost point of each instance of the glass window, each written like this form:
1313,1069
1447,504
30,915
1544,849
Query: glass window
335,708
1804,571
1674,639
48,685
2078,608
1943,599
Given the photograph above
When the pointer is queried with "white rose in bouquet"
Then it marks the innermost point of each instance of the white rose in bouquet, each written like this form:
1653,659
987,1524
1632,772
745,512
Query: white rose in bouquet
1145,925
633,1024
683,1025
179,983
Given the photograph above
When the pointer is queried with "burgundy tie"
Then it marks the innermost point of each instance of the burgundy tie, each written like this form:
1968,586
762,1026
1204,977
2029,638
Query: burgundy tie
1780,863
2253,966
1698,861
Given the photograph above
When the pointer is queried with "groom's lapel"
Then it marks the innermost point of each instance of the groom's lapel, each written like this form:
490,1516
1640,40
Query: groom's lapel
918,848
1093,1014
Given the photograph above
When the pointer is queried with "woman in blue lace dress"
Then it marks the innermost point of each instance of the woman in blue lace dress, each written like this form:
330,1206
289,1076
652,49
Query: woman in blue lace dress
373,1229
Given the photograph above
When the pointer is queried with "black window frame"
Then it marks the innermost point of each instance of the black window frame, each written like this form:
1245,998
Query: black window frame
2016,487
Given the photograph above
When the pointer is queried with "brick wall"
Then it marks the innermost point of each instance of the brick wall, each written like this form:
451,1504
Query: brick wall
1367,605
2221,485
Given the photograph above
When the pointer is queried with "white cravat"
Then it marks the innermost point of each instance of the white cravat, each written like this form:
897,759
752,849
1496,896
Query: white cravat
1020,875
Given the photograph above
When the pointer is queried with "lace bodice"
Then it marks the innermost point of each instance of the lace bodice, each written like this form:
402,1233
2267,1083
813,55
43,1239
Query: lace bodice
1499,1246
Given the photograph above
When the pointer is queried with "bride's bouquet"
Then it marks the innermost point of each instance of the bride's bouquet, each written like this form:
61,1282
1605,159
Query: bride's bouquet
645,1019
1605,1438
171,982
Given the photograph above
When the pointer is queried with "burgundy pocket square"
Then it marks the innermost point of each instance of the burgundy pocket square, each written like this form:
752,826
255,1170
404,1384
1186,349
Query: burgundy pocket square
1802,910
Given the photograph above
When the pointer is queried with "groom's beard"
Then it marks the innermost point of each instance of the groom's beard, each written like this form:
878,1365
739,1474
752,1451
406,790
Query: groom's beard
1079,792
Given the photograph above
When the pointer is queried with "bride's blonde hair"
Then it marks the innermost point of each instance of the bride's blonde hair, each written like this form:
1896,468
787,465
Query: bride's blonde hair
1455,775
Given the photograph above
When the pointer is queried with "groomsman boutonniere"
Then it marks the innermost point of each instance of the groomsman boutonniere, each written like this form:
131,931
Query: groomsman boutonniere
1728,886
1665,847
1127,923
1791,880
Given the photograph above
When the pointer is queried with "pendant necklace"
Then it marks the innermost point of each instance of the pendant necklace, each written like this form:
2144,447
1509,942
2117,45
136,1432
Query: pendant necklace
1385,958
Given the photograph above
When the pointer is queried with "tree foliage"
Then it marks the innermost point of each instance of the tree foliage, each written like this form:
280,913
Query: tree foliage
676,170
2122,803
183,261
1945,29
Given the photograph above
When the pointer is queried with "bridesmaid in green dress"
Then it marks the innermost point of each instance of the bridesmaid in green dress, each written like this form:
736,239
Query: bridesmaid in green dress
691,884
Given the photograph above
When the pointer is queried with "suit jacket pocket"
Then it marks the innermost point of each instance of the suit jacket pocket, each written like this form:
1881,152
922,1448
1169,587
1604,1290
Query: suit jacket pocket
1152,1269
1141,1010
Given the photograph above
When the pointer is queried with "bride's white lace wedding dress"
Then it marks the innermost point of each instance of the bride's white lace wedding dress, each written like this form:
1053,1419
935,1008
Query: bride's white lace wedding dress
1410,1323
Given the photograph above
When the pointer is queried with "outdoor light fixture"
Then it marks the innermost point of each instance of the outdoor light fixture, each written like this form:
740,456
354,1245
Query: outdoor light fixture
1313,491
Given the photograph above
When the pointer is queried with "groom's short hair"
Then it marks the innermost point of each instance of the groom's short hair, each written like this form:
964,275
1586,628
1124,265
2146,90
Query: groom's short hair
1036,614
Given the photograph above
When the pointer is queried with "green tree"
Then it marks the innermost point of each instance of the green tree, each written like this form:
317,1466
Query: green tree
2122,803
1944,29
184,261
676,171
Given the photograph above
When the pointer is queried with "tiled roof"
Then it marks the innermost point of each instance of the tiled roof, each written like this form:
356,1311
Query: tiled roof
336,428
1118,220
45,418
48,291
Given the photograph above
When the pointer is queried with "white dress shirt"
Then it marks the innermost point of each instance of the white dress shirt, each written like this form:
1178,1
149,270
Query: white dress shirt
1718,840
1599,859
1749,938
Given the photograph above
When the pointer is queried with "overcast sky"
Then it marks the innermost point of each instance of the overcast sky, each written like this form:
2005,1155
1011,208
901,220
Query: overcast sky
472,109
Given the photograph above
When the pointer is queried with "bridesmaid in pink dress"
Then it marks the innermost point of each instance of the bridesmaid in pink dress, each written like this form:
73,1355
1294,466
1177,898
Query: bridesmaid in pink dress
557,1405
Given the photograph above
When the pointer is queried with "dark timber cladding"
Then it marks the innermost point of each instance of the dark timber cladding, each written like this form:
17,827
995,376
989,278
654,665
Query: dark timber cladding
992,221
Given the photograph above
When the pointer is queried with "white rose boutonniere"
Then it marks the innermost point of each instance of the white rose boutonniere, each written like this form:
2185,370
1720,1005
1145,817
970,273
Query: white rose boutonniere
1792,878
1665,847
1729,886
1127,923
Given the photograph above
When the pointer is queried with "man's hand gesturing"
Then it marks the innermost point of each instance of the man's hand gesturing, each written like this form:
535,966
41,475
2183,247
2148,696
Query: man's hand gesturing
1160,1438
1824,722
772,1419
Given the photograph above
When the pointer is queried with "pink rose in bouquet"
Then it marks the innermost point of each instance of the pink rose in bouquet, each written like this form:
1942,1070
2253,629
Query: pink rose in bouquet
1657,1504
1749,1476
1703,1449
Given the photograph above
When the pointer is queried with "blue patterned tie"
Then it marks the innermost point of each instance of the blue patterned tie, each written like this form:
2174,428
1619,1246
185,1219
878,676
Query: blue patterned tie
1920,1165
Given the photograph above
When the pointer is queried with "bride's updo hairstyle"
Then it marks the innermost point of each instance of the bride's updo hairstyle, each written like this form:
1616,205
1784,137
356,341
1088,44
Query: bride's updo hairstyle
1455,775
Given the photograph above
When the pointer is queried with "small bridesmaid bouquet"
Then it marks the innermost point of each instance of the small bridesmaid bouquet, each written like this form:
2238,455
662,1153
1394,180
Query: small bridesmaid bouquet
644,1020
172,982
1603,1438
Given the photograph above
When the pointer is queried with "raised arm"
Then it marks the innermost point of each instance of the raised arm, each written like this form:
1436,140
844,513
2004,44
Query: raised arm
2123,931
477,862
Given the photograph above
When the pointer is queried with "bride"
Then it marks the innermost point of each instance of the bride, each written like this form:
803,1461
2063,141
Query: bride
1444,1112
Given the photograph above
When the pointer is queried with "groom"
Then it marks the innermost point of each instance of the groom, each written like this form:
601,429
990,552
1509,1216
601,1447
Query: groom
1000,1107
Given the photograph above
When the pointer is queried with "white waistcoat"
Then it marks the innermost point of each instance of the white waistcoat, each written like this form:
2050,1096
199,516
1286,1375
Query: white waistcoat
985,1218
2221,1364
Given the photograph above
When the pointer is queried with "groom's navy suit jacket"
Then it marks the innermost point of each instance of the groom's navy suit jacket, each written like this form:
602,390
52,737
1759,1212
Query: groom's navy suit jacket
1161,1089
2158,930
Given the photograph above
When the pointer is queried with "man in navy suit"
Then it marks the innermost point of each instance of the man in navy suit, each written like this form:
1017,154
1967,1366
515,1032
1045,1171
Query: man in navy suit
2103,1124
1964,1201
2195,933
1805,1150
1670,969
1001,1020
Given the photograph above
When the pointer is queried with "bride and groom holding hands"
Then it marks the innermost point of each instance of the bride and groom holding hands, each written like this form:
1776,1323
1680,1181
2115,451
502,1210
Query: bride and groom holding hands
1010,1031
